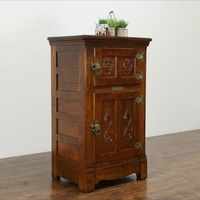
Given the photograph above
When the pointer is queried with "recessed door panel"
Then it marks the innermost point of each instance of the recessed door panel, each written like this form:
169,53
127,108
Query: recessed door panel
120,118
106,115
117,66
128,130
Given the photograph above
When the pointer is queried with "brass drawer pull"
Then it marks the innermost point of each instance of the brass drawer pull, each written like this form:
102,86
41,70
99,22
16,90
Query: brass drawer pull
95,128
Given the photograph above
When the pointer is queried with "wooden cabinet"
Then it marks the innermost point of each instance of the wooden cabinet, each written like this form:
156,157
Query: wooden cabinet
98,108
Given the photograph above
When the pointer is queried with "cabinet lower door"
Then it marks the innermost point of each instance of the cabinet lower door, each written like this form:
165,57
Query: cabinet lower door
121,119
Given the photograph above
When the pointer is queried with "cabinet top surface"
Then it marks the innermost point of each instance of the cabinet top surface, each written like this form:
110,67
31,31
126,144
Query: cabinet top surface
93,38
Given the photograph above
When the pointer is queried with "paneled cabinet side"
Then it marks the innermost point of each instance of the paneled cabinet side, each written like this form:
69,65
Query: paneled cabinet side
55,174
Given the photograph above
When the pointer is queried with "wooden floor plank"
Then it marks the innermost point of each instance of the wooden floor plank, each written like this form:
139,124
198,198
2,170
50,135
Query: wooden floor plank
173,174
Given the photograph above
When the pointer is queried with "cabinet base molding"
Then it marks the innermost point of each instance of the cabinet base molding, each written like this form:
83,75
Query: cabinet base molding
91,176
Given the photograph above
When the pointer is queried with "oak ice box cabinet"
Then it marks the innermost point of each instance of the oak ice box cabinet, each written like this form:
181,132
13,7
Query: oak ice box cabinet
98,108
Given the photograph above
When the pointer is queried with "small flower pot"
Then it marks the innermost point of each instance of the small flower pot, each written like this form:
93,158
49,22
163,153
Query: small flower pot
122,32
111,32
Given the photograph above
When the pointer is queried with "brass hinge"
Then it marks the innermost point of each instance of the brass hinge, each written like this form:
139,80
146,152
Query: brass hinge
138,145
140,56
139,100
139,76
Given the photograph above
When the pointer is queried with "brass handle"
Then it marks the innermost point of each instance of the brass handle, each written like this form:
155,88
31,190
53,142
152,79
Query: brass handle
139,100
140,56
95,128
138,145
139,76
95,67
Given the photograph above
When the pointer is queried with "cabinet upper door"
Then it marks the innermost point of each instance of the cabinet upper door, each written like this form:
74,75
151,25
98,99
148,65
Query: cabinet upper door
118,66
120,116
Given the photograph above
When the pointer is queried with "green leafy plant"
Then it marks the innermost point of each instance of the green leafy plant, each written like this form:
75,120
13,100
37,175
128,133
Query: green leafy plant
122,23
112,23
103,21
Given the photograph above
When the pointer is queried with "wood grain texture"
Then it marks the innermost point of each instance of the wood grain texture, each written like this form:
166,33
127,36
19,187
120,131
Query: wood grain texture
119,66
65,112
99,41
117,137
173,174
80,97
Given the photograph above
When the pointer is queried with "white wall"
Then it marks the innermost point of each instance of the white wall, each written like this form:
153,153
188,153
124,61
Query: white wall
173,64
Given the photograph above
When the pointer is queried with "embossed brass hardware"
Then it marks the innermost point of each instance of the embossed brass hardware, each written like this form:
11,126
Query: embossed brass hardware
139,76
139,100
138,145
117,88
95,67
140,56
95,128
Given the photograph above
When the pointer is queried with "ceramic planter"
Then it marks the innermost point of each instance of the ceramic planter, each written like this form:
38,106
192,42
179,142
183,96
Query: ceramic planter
111,32
122,32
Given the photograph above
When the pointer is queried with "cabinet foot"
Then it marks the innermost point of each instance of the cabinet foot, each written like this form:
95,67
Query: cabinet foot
141,176
143,169
56,177
88,187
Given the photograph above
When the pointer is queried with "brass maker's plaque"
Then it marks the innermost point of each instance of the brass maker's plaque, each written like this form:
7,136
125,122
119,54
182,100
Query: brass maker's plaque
117,88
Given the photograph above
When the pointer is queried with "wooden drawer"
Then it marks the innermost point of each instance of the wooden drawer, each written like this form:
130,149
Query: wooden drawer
118,66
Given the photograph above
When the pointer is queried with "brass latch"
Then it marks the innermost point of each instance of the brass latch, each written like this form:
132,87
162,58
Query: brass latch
95,128
95,67
139,100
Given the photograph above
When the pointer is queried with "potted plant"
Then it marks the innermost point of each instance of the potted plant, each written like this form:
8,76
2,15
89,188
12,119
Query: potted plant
103,21
112,23
102,27
121,28
111,26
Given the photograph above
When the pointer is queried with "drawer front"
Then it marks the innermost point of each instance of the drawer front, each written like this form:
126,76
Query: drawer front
118,66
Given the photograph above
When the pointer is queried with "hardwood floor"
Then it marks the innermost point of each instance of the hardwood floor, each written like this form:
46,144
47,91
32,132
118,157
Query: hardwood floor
173,174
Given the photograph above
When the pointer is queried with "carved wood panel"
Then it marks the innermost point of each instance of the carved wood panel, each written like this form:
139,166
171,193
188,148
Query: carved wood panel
108,68
119,119
127,67
117,66
108,126
106,114
128,128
